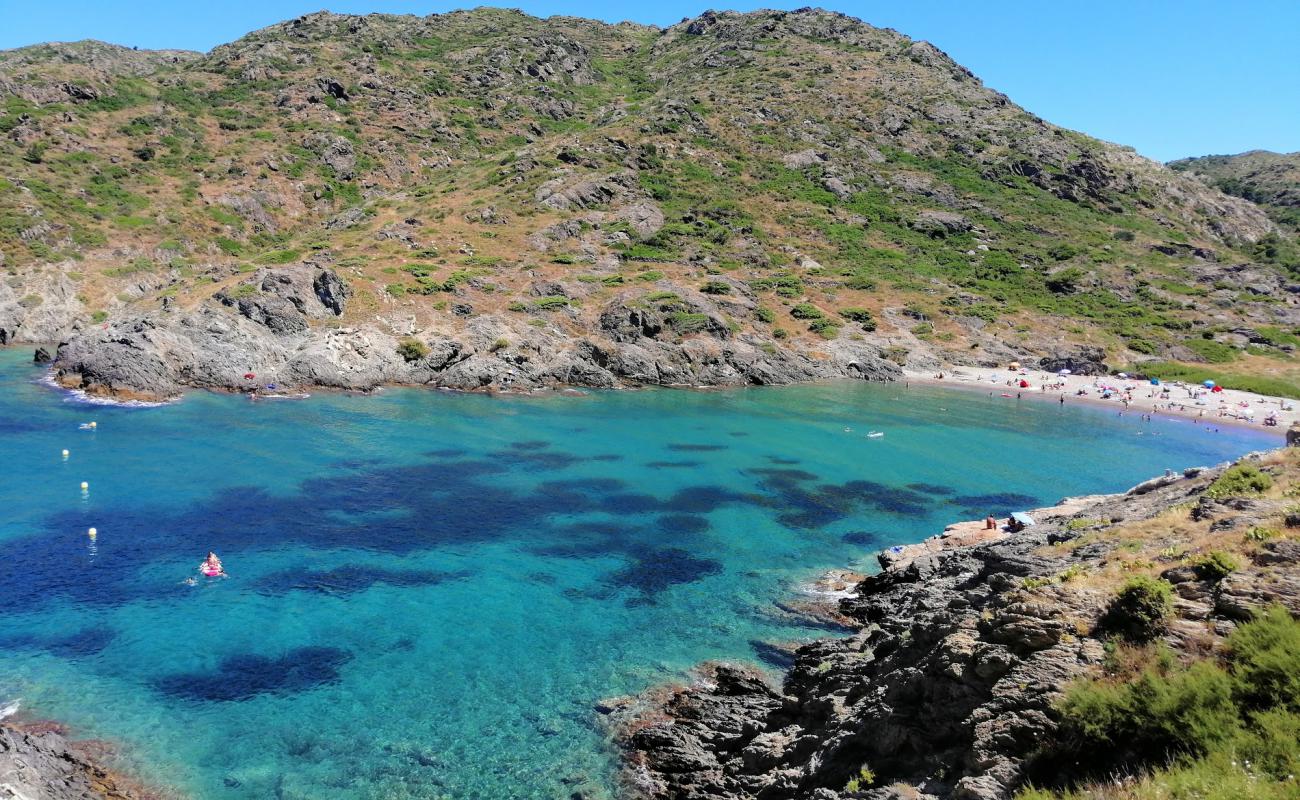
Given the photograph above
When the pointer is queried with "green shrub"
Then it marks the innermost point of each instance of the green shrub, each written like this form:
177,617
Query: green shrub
806,311
1063,252
1066,281
685,322
229,246
1265,658
99,316
1212,351
1238,480
411,349
278,257
765,314
1215,566
1141,608
825,328
1157,714
863,780
1261,534
716,287
861,316
1213,730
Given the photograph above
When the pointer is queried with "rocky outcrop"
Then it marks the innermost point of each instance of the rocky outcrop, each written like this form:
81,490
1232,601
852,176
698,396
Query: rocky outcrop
38,306
41,764
948,686
268,327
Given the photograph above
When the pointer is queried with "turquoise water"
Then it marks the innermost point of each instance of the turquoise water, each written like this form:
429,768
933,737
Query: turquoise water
428,591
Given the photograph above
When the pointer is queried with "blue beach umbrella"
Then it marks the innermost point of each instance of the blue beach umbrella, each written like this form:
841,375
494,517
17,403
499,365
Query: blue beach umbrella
1209,384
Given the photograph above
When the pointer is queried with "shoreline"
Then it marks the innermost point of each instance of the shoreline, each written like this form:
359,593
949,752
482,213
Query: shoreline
1207,416
968,633
40,758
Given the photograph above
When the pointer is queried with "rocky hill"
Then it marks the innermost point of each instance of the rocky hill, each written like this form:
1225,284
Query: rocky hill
1270,179
981,669
484,198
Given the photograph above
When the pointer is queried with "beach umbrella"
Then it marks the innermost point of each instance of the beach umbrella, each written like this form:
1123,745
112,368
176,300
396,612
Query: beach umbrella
1209,384
1155,381
1024,384
1063,372
1023,518
1014,365
1122,375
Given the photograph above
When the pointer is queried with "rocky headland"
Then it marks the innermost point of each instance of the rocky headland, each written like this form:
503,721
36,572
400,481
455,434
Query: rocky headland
965,645
280,326
39,762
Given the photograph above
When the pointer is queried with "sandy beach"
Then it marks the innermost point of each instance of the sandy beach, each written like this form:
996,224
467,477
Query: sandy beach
1124,395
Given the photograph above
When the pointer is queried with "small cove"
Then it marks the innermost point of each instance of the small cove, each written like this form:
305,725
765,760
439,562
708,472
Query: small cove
429,591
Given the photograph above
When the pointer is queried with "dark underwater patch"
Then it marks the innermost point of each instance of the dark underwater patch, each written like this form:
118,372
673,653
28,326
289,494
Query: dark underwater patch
546,459
791,475
783,461
862,538
696,448
532,444
241,677
672,464
653,570
607,457
771,654
738,434
582,485
83,643
799,505
682,523
932,488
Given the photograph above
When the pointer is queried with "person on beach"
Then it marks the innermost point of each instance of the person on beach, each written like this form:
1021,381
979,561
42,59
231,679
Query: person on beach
990,523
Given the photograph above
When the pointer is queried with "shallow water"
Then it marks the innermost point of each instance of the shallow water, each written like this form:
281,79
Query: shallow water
428,591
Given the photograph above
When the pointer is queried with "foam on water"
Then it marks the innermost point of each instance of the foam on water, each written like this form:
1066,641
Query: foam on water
429,591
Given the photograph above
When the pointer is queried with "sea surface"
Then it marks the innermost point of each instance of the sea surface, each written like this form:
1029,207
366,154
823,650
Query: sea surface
428,591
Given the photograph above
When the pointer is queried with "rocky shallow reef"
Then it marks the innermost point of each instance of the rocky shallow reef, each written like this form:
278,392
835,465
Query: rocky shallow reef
948,688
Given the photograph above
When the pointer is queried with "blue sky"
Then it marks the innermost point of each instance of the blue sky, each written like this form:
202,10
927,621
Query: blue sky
1171,78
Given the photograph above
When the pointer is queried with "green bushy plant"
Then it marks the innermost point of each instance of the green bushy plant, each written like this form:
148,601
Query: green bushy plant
1237,480
1141,608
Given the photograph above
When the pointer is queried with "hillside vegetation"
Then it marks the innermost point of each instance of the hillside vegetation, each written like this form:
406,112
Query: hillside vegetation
814,178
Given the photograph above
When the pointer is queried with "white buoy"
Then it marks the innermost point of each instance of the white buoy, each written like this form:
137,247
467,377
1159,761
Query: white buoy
92,533
94,424
65,453
85,486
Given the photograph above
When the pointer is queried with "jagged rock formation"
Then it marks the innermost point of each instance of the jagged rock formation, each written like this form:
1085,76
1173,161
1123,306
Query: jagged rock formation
42,765
948,688
826,186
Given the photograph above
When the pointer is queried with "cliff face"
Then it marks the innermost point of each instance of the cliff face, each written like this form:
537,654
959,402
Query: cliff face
949,688
771,189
